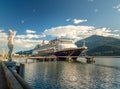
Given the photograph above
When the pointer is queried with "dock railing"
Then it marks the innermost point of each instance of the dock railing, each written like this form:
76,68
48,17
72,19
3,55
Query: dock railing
14,80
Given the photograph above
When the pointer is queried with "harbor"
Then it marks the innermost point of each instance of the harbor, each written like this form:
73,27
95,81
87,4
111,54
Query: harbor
88,59
56,50
59,64
64,74
104,73
10,79
59,44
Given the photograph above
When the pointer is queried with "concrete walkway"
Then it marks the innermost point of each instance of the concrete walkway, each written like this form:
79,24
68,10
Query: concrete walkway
3,83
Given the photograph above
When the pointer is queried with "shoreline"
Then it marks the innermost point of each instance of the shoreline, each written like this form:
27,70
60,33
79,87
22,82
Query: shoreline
102,56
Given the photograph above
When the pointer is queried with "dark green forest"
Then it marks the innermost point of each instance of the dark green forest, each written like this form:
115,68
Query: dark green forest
101,46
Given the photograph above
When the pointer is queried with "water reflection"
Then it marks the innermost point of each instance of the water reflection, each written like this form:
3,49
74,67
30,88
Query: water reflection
65,75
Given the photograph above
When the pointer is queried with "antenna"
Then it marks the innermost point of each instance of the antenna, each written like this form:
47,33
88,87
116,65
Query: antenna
43,42
84,43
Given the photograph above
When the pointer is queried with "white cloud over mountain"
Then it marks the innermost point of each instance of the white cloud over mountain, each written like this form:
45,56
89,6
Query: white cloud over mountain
77,32
69,31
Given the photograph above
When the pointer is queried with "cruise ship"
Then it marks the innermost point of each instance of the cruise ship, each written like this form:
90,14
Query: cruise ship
59,47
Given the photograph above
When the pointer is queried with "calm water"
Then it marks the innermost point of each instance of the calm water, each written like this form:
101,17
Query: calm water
104,74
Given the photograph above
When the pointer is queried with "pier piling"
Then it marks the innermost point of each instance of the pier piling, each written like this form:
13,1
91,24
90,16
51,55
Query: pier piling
90,60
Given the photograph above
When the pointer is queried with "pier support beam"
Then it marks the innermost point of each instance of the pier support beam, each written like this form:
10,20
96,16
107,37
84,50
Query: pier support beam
90,60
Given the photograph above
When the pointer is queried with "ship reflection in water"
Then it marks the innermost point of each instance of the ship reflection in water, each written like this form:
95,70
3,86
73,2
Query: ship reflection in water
68,75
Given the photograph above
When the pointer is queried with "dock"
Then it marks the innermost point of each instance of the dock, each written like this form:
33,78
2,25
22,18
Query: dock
3,82
52,58
10,79
89,59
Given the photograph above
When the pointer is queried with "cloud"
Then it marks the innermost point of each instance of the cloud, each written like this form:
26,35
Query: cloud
30,31
1,30
34,10
22,21
117,7
67,20
30,36
95,10
21,36
28,43
90,0
33,36
69,31
22,42
3,37
116,31
77,32
103,32
29,40
77,21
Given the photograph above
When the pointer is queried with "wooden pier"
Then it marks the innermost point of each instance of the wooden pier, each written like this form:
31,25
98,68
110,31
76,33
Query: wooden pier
62,58
9,79
44,58
3,82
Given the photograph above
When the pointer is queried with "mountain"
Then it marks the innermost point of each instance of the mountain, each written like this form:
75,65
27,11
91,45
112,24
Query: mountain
105,50
101,46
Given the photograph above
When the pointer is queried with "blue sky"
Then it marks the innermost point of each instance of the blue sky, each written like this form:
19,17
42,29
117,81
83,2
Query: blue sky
35,20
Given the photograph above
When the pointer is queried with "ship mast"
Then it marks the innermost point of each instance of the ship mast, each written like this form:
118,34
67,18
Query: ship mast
43,42
84,43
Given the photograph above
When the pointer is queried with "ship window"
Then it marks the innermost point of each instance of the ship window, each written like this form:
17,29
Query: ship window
66,42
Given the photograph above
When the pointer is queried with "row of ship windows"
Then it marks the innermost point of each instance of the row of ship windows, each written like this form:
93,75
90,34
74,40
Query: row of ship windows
45,46
52,44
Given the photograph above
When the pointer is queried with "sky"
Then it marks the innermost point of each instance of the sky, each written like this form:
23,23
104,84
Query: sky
37,20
